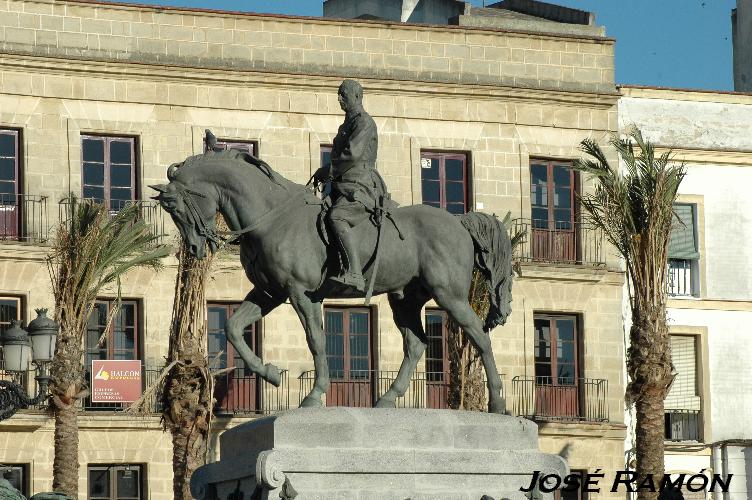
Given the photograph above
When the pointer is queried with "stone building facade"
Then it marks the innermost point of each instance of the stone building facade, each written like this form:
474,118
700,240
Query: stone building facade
710,287
501,112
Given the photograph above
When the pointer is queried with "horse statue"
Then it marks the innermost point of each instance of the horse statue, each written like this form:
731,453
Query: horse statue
425,252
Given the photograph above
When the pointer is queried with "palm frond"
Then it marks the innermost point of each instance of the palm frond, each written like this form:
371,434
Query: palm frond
92,249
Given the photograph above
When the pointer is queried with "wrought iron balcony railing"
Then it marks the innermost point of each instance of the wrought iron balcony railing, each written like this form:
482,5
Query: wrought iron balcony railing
563,399
235,393
362,388
242,392
682,425
679,279
559,242
149,211
23,217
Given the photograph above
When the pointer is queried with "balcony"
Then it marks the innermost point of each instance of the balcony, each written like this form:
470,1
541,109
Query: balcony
581,400
23,218
149,211
682,425
241,392
235,394
574,243
362,388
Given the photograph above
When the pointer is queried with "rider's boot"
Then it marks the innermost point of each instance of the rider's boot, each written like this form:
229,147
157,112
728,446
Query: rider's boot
352,274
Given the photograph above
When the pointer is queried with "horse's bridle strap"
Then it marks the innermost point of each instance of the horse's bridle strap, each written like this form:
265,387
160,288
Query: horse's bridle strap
264,218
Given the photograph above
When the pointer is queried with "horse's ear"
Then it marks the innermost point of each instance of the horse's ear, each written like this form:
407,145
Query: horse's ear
172,171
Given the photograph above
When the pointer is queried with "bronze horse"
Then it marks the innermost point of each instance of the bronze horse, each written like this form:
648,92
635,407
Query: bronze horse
285,255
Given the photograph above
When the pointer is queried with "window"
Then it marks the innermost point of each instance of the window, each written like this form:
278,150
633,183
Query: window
248,146
9,183
237,390
119,341
556,365
444,181
10,308
348,352
553,185
17,475
109,170
326,159
682,405
116,482
683,252
437,359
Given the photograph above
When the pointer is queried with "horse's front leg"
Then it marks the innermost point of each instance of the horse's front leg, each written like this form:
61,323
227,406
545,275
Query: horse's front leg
255,306
309,313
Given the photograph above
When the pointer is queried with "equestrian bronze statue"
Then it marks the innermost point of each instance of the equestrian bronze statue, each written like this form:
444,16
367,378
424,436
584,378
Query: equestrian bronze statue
412,254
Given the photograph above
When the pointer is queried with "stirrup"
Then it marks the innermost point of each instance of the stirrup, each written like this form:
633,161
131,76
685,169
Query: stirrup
351,279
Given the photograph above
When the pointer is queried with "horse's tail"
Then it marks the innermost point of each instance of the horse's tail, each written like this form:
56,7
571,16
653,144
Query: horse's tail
493,259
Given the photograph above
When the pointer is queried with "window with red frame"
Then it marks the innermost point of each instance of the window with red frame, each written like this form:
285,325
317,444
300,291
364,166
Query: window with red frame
109,170
444,181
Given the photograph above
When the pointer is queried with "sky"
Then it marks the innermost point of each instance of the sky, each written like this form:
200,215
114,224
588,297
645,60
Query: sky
666,43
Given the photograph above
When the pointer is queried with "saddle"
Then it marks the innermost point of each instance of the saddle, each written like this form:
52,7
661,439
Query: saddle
382,210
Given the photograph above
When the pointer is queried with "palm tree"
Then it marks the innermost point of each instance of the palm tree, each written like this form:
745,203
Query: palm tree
187,390
634,208
91,251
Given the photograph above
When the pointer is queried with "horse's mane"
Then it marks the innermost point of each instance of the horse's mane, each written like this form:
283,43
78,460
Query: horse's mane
235,156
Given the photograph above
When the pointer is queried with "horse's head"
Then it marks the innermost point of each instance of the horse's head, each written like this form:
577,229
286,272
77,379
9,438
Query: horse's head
193,211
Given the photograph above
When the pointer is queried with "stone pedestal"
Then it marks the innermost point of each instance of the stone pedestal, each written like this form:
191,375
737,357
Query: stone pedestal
376,454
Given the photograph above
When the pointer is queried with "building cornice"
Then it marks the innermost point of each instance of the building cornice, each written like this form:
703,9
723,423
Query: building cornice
739,158
290,81
677,94
710,304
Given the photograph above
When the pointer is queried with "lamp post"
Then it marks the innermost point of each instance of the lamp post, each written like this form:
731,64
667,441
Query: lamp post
19,348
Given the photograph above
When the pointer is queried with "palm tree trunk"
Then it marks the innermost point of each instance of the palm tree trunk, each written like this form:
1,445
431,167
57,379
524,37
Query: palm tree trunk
649,366
65,464
467,390
189,439
187,398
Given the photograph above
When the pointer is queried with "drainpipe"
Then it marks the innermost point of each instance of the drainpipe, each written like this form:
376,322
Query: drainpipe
715,454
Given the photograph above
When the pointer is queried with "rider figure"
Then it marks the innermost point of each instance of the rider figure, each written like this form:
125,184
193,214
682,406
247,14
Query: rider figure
356,187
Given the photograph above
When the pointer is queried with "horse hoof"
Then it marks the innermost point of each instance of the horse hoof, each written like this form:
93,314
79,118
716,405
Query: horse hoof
497,405
386,403
273,375
311,402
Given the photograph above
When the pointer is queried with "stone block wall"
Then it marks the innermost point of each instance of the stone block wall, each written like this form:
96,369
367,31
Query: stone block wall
446,54
164,75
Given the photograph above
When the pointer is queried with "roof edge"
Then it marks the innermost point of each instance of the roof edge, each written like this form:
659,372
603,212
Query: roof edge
323,20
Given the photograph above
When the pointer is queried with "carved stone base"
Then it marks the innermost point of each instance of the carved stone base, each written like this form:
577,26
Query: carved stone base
376,454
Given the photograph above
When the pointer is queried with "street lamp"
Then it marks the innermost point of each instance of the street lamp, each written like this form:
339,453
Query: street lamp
19,348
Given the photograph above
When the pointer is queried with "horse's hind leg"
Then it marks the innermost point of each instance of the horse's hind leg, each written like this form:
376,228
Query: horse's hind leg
457,306
406,312
309,313
254,307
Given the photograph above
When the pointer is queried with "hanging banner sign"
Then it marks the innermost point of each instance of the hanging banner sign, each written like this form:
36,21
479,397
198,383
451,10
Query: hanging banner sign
115,381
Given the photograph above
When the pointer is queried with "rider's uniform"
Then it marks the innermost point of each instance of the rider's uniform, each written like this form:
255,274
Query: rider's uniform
355,182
